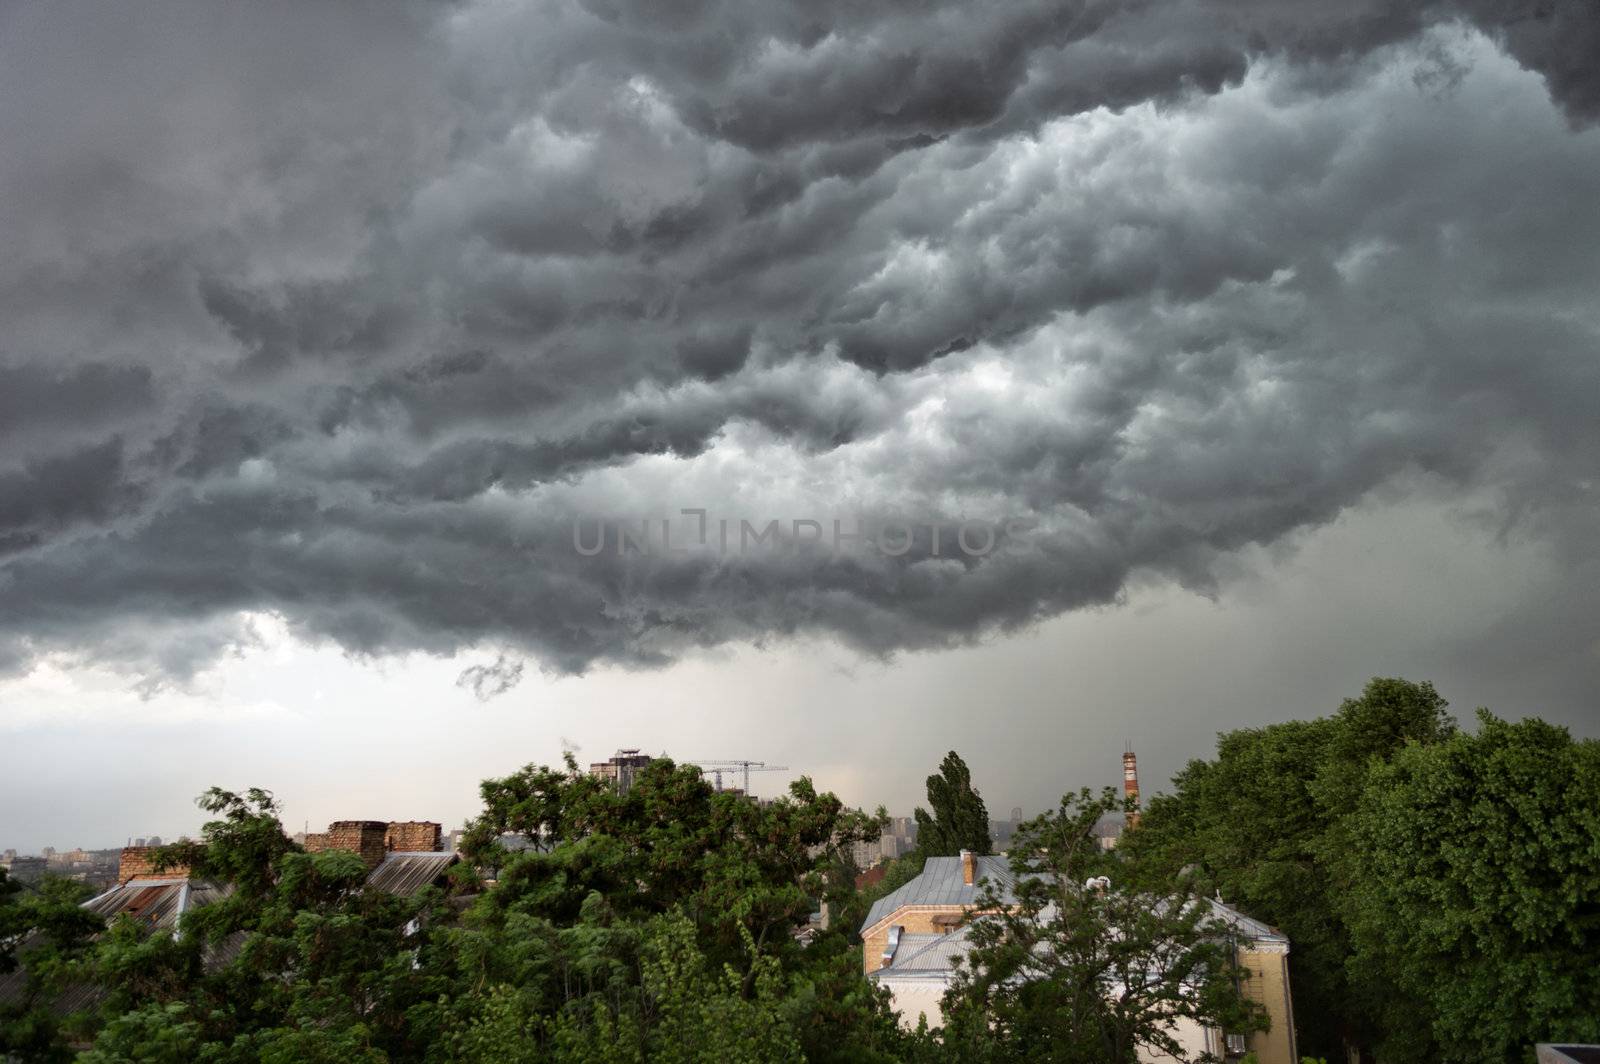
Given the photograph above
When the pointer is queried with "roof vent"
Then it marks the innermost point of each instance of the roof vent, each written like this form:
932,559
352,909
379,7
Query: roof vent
891,945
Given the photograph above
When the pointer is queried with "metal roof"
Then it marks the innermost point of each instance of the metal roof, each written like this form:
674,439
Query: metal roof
927,954
158,903
1247,926
404,872
939,883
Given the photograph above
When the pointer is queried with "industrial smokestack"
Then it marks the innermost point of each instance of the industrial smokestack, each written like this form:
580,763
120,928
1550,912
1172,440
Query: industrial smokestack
1130,786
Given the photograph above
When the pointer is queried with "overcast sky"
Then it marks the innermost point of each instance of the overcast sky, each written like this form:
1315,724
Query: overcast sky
1254,345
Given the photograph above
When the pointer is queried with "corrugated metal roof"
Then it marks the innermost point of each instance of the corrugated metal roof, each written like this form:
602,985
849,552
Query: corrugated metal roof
158,903
75,998
928,953
403,873
939,883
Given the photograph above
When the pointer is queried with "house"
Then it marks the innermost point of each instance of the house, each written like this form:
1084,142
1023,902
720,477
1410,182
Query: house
156,900
402,858
914,936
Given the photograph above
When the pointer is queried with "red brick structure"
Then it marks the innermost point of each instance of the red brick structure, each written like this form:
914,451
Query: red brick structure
1130,786
413,836
136,862
372,839
364,838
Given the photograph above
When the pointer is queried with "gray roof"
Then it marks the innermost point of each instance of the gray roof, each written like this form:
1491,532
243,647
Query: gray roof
930,955
156,903
1247,926
939,883
404,872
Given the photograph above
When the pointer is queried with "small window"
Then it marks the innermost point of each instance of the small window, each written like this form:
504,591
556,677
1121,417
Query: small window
1235,1045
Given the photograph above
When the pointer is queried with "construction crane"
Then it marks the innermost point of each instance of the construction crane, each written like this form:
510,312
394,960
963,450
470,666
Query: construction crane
717,767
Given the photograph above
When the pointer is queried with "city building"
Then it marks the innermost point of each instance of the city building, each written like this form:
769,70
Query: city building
1108,830
914,936
621,769
26,869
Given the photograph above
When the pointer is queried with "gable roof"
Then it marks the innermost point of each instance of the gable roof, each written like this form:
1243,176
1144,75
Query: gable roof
939,883
1248,927
157,902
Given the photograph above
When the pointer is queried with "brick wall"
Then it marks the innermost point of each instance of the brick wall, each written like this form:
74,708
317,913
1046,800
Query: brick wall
364,838
410,836
1268,983
136,863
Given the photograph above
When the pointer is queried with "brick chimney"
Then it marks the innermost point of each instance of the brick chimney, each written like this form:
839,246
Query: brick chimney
137,862
969,867
412,836
1130,786
364,838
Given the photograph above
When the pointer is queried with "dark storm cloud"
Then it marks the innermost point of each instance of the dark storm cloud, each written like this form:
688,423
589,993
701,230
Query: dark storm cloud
348,312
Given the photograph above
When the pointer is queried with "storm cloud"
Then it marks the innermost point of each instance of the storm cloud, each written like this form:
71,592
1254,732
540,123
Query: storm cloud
349,313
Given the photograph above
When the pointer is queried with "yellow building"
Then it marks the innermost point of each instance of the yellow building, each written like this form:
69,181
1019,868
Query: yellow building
913,936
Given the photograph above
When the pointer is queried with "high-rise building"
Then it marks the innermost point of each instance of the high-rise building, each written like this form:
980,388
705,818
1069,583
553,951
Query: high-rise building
621,770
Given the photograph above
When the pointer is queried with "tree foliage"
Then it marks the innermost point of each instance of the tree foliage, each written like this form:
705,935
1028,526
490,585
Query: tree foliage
959,820
1079,966
1474,893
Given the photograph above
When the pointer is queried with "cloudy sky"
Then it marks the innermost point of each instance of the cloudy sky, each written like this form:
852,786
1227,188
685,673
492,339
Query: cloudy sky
1184,364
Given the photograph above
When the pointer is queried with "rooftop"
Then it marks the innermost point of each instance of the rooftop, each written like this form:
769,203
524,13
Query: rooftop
931,955
405,872
940,883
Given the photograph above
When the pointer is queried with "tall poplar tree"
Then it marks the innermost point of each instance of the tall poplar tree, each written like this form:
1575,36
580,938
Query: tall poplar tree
960,820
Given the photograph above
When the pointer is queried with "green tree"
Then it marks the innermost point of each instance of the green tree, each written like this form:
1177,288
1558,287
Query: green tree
1473,894
304,962
960,820
13,925
565,928
48,934
1260,824
1079,966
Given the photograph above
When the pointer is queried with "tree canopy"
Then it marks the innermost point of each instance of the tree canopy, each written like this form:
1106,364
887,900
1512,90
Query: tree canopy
959,820
1078,966
1440,887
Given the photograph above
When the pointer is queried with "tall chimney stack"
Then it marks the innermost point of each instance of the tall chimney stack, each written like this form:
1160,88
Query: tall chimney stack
969,867
1130,786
